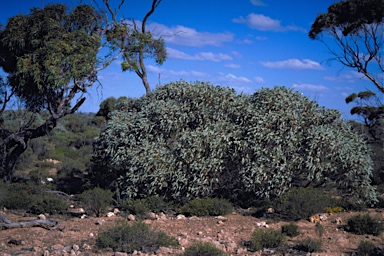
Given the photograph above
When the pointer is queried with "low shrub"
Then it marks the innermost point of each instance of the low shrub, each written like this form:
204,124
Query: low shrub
17,196
47,203
335,209
301,203
157,204
364,224
138,207
96,201
291,229
203,249
138,236
309,245
268,238
319,229
207,207
366,248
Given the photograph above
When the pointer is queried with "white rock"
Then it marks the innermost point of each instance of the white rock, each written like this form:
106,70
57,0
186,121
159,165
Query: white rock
41,217
110,214
152,215
131,217
180,217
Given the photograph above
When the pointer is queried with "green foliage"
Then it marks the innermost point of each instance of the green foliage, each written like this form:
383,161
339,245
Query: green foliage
266,238
319,229
186,141
365,224
96,201
47,203
310,245
31,197
17,196
366,248
138,236
301,203
137,207
203,249
207,207
291,229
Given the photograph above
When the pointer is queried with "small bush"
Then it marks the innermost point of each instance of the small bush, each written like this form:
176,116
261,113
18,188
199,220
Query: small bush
268,238
301,203
319,229
17,196
310,245
138,236
207,207
47,203
96,201
157,204
365,224
366,248
291,229
138,207
203,249
335,209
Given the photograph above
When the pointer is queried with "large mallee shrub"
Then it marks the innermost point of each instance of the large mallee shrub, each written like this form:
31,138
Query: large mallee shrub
188,140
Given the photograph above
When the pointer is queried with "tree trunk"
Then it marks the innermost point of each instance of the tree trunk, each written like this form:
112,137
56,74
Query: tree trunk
24,224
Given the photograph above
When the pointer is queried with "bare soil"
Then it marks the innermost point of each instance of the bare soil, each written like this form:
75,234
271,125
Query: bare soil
77,236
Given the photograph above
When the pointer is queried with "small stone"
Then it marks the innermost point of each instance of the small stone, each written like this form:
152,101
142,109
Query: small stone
100,222
152,215
91,235
122,254
116,211
162,216
131,217
148,222
87,246
75,247
199,233
180,217
110,214
41,217
57,247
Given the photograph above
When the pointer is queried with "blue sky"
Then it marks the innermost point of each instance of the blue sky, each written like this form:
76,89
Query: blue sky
244,44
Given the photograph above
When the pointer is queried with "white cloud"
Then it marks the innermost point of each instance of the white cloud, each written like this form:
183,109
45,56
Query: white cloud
181,35
232,65
310,87
230,78
350,77
265,23
173,73
261,38
258,79
216,57
293,64
257,3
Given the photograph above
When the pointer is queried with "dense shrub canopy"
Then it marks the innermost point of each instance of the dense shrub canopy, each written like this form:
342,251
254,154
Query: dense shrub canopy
188,140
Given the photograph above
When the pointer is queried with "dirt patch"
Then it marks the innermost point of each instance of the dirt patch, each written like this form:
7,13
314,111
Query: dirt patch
77,236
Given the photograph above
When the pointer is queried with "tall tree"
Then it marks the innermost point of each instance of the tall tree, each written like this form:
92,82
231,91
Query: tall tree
356,26
135,42
50,57
357,29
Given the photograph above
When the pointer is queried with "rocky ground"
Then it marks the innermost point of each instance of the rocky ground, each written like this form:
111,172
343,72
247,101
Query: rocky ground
77,236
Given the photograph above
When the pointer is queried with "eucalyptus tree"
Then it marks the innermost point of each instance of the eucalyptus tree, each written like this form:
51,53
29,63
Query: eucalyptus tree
135,42
50,57
184,141
353,31
356,26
